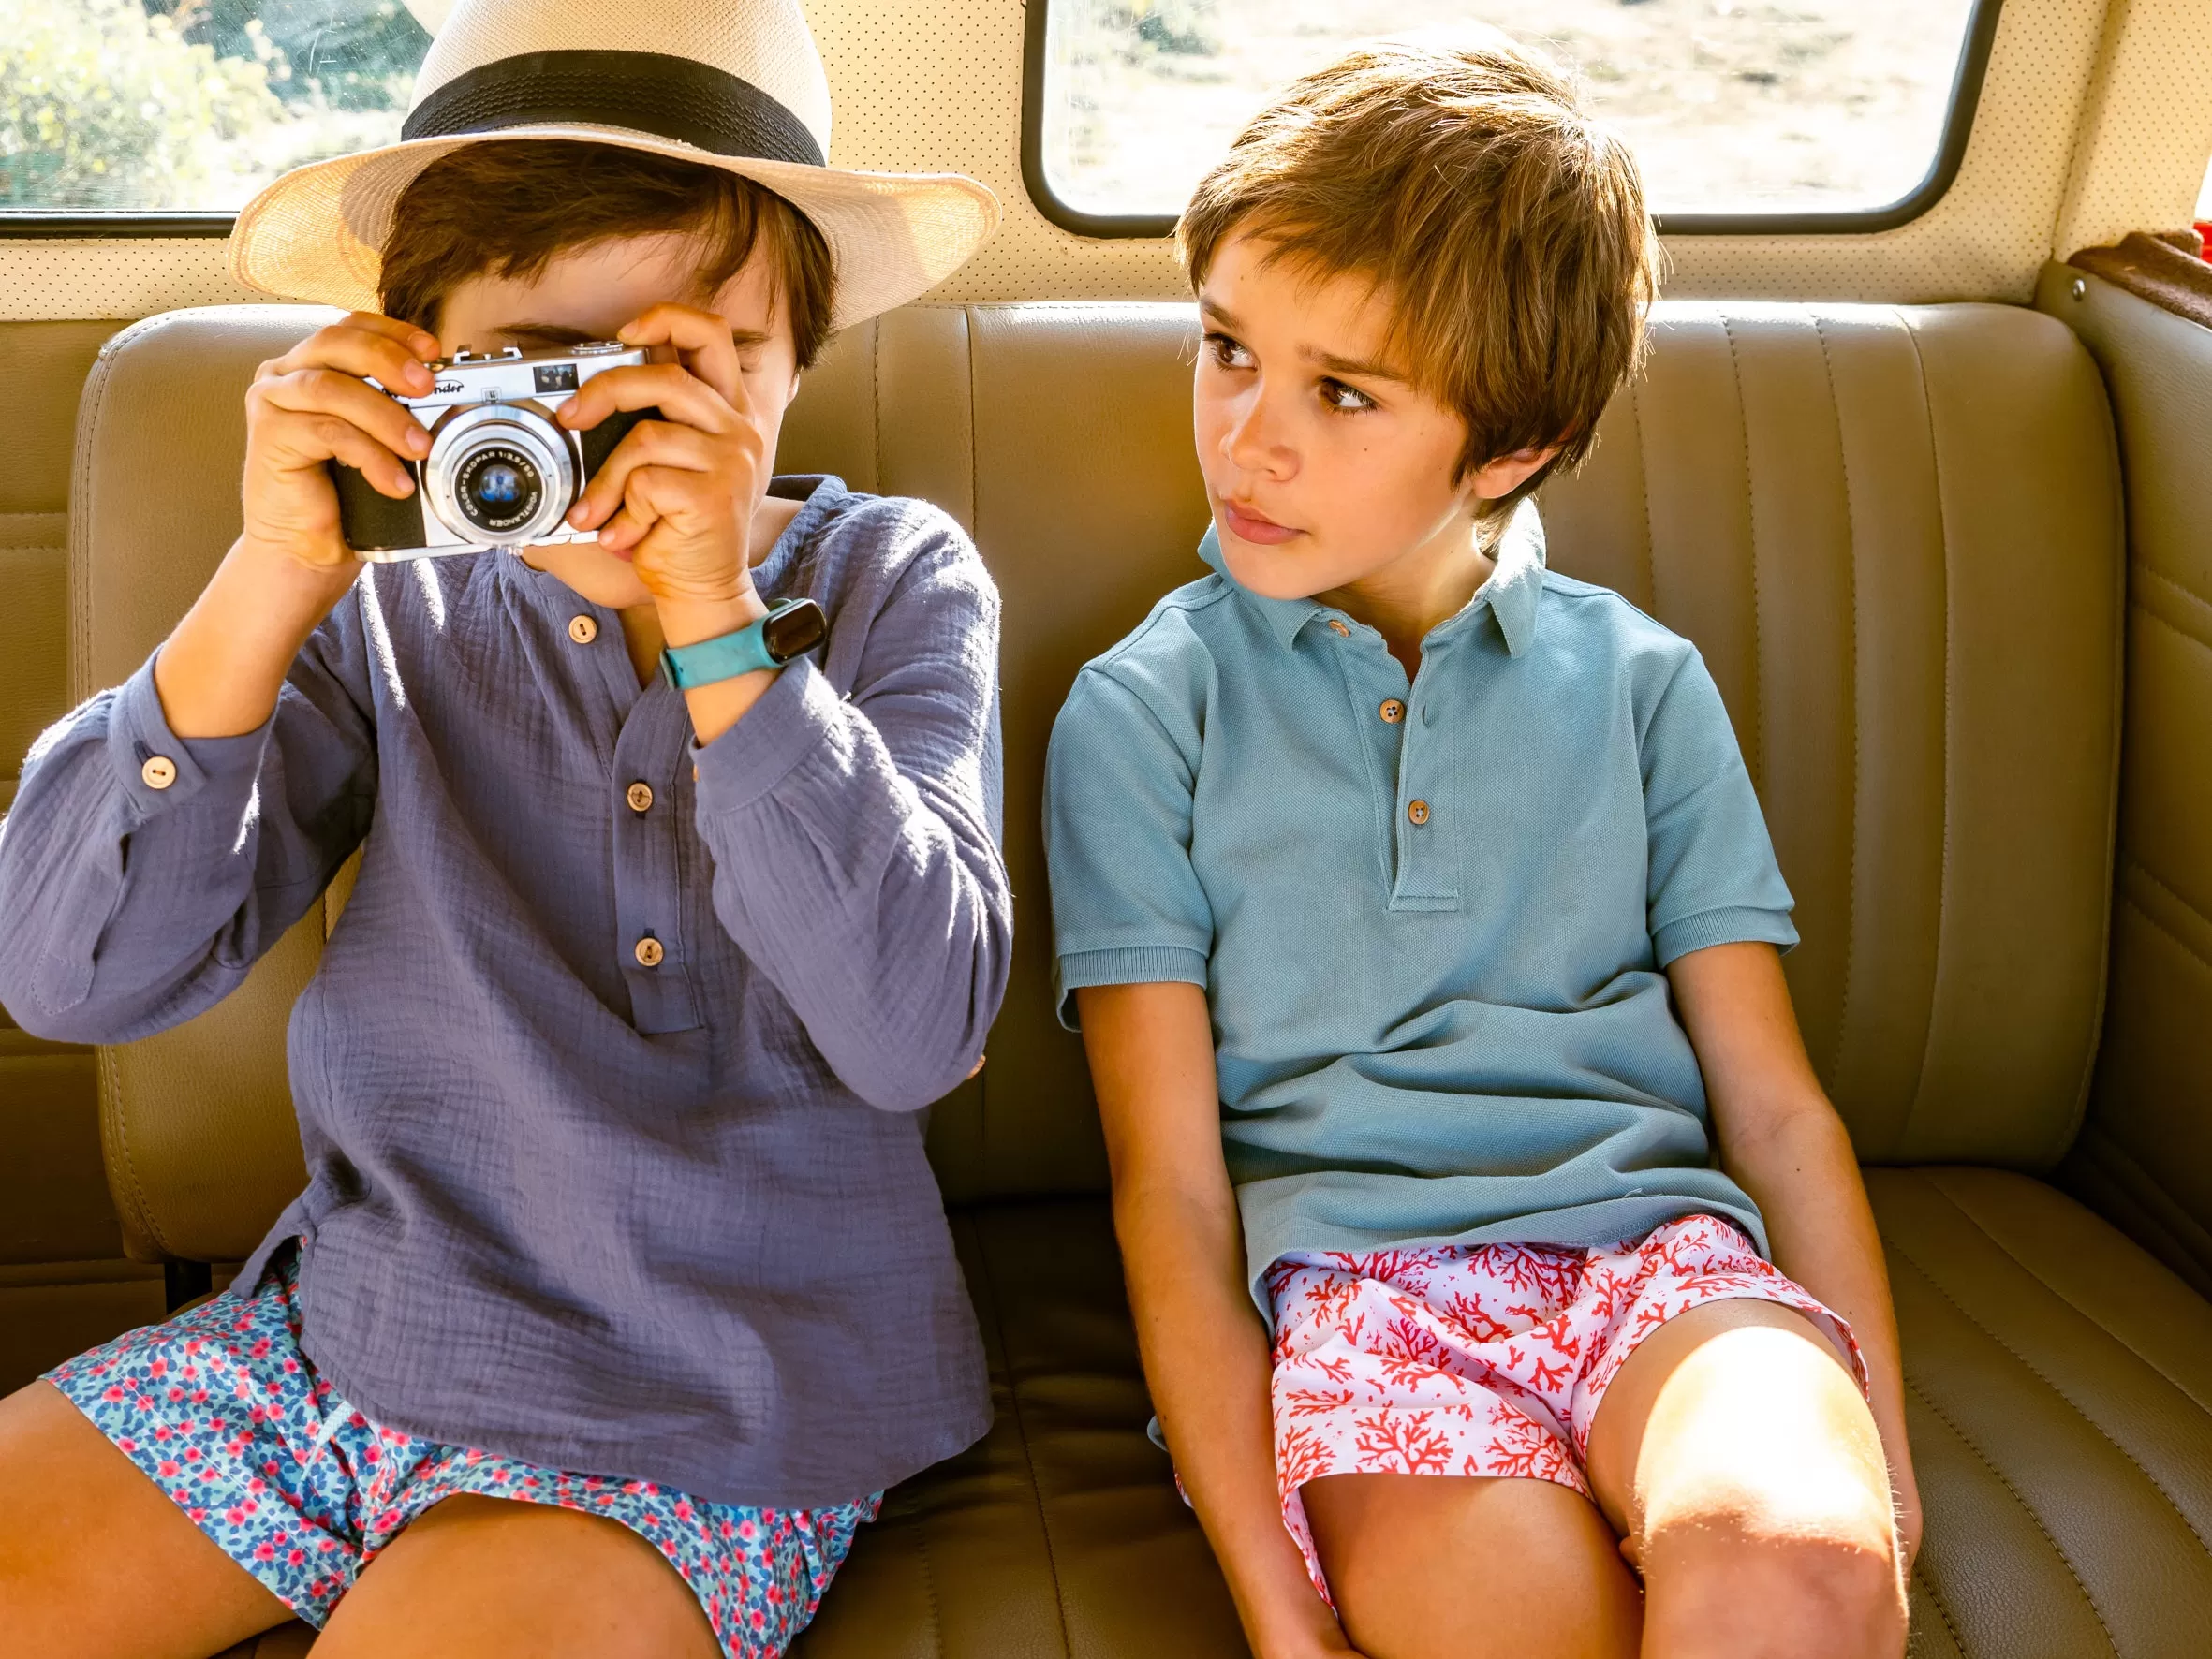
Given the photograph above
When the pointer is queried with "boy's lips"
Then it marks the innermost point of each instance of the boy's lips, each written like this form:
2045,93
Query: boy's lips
1247,525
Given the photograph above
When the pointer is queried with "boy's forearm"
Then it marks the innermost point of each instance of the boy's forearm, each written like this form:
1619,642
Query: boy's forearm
1804,1175
219,671
1206,1359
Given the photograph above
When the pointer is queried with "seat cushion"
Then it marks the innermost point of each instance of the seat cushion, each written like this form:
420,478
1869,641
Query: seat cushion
2059,1392
1061,1532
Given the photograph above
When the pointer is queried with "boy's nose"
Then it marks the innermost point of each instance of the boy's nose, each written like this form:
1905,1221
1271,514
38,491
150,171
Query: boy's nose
1252,443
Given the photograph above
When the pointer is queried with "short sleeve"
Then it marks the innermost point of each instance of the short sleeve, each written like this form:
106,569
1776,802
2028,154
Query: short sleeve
1127,908
1713,876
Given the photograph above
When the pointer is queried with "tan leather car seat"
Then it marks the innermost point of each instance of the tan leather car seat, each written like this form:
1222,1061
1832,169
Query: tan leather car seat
1896,534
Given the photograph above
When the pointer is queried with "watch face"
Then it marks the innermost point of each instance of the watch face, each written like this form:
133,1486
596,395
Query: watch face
794,629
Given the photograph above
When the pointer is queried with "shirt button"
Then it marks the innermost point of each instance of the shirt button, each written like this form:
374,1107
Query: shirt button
583,629
1418,812
1338,629
649,952
1392,711
158,772
640,796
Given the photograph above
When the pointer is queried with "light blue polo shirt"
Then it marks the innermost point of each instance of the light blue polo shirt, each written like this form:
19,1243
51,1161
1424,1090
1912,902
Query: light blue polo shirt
1430,918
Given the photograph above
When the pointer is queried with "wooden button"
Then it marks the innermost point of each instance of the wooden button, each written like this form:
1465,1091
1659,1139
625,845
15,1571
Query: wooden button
159,773
1418,812
583,629
649,952
1392,711
1338,629
640,796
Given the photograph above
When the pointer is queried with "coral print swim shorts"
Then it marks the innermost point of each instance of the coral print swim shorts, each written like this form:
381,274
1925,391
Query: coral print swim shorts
1489,1361
220,1408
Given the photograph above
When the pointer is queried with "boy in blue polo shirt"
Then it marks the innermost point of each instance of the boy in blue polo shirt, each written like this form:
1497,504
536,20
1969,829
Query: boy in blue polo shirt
1375,857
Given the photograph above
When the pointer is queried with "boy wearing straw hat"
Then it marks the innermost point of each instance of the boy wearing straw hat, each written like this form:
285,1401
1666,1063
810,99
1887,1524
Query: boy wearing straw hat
619,1252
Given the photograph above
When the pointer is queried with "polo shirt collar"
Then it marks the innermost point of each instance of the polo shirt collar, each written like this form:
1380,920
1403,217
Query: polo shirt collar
1511,594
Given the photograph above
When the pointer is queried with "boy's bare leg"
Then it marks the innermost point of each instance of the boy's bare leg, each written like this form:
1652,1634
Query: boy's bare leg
1458,1568
1739,1462
94,1560
487,1578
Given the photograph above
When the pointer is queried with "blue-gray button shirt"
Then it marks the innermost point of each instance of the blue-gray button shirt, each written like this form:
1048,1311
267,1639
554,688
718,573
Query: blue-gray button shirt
664,1218
1430,918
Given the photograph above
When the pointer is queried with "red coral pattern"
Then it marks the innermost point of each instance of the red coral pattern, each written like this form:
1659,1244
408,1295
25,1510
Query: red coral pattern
222,1411
1488,1360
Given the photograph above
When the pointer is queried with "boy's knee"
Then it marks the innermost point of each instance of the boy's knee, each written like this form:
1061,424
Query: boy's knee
1800,1578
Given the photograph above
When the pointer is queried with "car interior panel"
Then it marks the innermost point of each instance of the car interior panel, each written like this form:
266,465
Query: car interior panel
1931,502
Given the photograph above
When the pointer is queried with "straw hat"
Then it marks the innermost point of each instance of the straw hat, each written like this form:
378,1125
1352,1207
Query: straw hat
730,83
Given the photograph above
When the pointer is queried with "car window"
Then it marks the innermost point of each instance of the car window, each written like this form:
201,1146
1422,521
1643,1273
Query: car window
161,106
1734,107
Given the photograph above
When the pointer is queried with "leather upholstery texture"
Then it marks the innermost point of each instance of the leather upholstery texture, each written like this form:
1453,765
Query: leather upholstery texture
62,1282
1895,533
2145,1155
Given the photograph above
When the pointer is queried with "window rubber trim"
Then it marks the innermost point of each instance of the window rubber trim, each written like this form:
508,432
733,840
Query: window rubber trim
1951,150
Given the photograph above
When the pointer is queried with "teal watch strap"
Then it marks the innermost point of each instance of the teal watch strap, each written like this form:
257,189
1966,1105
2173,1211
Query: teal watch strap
726,655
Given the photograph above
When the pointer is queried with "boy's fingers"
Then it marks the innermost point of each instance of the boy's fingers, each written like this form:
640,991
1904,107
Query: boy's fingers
311,439
704,337
677,393
327,392
650,443
360,352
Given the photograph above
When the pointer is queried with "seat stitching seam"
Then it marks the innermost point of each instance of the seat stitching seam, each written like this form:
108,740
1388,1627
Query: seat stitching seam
2035,1370
1013,1390
929,1590
1736,370
1850,535
2144,871
2012,1256
1944,874
1944,1610
1644,487
2029,1509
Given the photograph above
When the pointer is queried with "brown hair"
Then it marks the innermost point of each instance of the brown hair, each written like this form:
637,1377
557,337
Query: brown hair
1506,228
509,208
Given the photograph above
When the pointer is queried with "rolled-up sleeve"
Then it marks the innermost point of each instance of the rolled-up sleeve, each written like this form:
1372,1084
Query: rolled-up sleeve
1127,907
855,840
1713,879
141,874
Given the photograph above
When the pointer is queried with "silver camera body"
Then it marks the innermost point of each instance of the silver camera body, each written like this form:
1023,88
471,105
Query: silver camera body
500,472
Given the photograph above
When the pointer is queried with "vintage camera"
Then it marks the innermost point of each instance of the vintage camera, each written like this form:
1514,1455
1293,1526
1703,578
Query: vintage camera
500,472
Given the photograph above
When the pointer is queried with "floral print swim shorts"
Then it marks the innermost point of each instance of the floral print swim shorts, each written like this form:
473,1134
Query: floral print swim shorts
219,1407
1488,1360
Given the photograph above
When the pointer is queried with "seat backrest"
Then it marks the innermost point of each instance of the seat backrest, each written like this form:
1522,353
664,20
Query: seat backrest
1895,533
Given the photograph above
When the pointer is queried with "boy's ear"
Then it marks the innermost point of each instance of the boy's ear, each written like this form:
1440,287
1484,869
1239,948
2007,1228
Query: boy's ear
1501,478
792,395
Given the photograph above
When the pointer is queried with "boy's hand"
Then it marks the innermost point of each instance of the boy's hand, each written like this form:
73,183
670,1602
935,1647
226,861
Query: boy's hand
676,497
311,406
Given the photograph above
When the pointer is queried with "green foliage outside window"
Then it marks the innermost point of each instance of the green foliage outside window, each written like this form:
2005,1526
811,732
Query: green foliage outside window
169,104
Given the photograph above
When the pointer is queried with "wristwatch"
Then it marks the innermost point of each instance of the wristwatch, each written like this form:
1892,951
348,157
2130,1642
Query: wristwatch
792,629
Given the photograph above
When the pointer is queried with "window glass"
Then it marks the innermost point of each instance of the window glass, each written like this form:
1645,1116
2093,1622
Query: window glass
161,104
1732,106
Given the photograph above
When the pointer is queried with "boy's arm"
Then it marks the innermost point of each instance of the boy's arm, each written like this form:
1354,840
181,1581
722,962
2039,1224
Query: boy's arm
1781,1141
168,832
1204,1349
852,839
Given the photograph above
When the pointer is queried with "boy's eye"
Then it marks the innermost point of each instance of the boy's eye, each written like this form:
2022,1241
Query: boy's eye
1228,353
1346,399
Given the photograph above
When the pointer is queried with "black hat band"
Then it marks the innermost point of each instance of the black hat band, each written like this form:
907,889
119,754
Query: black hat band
672,98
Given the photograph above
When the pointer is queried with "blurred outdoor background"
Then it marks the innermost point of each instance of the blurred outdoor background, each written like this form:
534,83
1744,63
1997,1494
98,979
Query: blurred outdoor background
168,104
1732,106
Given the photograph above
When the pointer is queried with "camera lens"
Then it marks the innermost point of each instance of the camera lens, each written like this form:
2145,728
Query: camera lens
497,488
